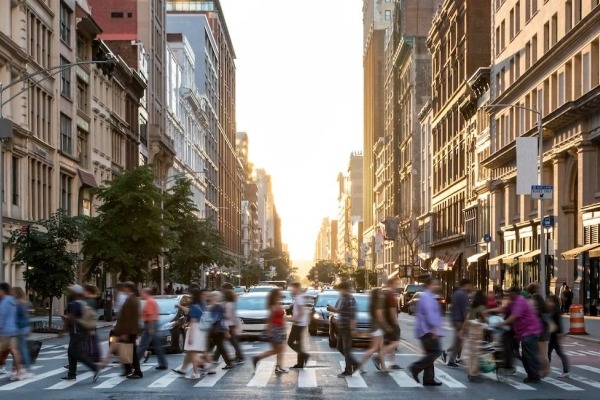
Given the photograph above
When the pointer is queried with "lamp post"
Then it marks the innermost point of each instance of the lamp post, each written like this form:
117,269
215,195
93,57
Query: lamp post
6,127
542,239
163,183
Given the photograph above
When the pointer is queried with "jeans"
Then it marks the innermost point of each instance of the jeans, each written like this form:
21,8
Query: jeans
554,344
235,343
24,350
77,353
344,346
218,339
530,356
433,350
296,343
457,344
148,339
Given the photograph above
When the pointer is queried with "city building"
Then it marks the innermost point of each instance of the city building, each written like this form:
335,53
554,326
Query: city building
326,243
230,170
377,17
350,209
143,22
251,238
266,208
187,117
459,43
546,57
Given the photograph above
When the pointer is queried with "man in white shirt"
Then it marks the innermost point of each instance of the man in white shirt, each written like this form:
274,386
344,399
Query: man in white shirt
300,321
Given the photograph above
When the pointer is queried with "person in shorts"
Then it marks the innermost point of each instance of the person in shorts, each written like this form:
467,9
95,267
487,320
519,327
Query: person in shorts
377,332
275,332
390,324
8,328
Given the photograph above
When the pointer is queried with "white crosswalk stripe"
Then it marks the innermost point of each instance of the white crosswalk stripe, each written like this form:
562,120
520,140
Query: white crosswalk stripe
115,380
211,380
36,378
588,368
166,379
262,375
355,380
65,384
579,378
447,379
403,380
554,382
307,377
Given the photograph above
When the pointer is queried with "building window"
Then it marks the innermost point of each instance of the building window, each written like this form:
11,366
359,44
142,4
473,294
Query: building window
66,15
66,139
82,149
15,181
65,79
388,15
116,15
66,195
82,95
40,176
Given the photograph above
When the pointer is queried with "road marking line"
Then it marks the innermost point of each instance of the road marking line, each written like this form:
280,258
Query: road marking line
18,384
578,378
554,382
355,380
505,379
307,378
447,379
262,375
51,352
211,380
403,380
166,379
588,368
66,384
114,381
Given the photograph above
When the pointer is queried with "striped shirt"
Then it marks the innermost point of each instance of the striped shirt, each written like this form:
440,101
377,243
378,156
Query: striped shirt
347,311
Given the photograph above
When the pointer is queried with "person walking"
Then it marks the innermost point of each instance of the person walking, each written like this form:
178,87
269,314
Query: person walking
23,327
527,328
128,328
377,332
299,324
568,294
561,295
219,331
275,332
346,327
391,326
544,338
150,317
474,332
77,335
557,337
460,312
231,322
428,331
9,331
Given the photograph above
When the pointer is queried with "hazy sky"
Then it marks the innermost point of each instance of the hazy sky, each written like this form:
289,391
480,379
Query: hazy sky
299,97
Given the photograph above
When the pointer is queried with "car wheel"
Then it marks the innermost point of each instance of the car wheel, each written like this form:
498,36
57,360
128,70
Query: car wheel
180,342
332,339
312,329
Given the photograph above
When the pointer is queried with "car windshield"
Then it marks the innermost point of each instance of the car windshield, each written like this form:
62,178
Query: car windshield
258,289
414,288
312,293
362,303
167,306
322,301
286,296
252,303
238,290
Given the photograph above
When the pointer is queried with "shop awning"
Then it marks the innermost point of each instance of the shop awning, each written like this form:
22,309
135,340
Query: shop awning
438,264
393,274
595,253
476,257
528,257
87,178
445,262
496,260
424,256
513,257
574,253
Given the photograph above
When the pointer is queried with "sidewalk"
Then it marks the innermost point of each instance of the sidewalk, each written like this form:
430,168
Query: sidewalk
57,323
592,327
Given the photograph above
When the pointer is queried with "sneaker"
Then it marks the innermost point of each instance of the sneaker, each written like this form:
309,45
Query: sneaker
453,365
344,375
229,366
161,368
531,380
135,376
16,377
564,375
297,366
279,370
459,361
444,356
193,377
178,372
69,378
396,367
377,362
239,361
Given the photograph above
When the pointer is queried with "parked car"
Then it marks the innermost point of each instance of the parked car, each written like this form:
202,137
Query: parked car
409,292
319,316
261,288
253,312
239,289
363,321
310,295
412,304
287,301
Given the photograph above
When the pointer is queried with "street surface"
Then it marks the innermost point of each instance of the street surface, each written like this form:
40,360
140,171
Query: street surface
318,381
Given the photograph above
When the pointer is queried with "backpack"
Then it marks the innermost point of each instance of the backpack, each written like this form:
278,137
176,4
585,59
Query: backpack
217,318
88,317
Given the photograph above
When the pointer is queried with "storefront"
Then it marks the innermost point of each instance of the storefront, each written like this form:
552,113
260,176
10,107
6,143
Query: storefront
529,268
477,270
447,269
588,260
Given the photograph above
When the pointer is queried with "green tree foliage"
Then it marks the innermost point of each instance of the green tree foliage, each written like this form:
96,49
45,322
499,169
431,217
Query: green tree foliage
278,259
251,274
44,249
359,278
325,270
127,232
194,241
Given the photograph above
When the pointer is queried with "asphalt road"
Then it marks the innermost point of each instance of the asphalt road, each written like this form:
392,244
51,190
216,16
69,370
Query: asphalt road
318,381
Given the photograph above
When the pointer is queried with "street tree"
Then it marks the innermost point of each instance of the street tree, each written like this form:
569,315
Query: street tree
274,257
128,231
195,241
44,248
410,235
251,274
326,271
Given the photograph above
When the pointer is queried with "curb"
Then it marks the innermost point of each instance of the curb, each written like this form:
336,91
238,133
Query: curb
47,336
585,338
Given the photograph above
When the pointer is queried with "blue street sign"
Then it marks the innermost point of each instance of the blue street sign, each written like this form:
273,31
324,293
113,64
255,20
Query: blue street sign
548,222
487,238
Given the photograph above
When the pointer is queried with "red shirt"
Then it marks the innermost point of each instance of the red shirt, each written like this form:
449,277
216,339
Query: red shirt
150,310
277,317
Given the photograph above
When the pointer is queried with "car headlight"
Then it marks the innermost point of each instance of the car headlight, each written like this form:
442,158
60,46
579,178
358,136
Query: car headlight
317,316
167,327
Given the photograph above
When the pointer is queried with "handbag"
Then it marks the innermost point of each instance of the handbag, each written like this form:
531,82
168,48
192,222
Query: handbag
125,353
34,347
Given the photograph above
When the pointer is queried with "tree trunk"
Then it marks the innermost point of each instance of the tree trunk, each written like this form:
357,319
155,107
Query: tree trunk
50,313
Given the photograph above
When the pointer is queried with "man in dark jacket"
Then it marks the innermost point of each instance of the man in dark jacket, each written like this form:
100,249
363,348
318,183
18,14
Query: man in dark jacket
128,327
460,312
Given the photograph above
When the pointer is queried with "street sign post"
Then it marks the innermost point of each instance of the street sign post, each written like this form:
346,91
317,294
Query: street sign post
487,238
548,222
542,192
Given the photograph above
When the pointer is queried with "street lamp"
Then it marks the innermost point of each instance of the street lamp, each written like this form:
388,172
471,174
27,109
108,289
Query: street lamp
163,183
540,179
6,126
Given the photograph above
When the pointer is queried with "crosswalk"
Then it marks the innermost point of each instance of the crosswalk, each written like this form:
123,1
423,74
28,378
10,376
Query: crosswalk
313,376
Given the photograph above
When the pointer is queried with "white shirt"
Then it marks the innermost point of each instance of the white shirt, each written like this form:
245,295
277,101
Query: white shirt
299,304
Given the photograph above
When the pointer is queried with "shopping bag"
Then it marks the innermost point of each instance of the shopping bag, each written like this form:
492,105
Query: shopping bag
487,363
126,353
34,347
